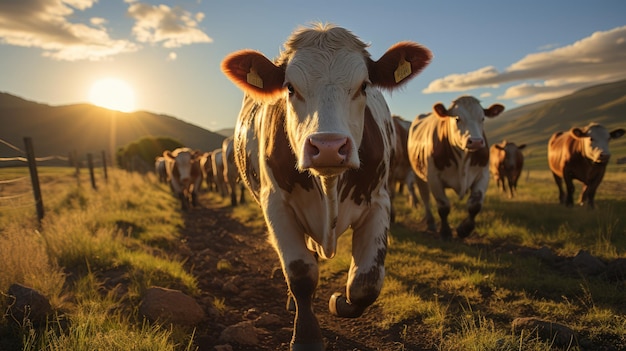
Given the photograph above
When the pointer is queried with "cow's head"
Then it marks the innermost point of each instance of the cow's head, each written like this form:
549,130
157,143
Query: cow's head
324,76
511,152
595,141
183,159
465,121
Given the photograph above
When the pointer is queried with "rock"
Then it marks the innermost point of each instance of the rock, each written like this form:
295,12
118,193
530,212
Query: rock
28,304
547,331
588,264
545,254
170,306
267,320
244,333
616,270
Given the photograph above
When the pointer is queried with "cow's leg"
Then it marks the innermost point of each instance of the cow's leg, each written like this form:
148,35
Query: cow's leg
242,191
233,196
559,183
569,186
301,274
511,186
474,205
424,191
367,270
443,206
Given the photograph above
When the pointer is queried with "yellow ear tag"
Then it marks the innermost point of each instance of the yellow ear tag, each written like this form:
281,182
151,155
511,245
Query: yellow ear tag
253,78
403,70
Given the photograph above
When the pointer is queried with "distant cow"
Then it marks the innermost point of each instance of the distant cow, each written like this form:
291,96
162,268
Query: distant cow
505,164
448,150
206,164
401,172
318,161
218,172
159,169
231,174
582,154
185,175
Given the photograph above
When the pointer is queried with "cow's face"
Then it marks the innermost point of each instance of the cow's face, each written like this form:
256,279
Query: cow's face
324,77
595,140
465,119
183,161
511,153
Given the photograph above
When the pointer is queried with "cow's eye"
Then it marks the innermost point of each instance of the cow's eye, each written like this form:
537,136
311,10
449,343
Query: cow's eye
363,87
290,89
457,119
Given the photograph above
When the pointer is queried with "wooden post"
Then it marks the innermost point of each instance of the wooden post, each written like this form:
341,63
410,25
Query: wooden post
34,177
90,164
104,166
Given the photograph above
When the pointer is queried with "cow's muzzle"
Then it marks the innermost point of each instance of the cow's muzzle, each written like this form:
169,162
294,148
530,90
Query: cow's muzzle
326,150
474,144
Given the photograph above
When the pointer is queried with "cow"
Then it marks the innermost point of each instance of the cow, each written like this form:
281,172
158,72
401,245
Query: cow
401,172
448,149
581,154
505,165
231,173
159,169
319,156
184,174
218,171
206,164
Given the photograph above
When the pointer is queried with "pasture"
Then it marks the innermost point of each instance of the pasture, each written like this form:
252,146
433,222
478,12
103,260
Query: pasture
437,295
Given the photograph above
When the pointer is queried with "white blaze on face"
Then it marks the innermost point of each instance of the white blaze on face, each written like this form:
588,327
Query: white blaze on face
596,144
183,162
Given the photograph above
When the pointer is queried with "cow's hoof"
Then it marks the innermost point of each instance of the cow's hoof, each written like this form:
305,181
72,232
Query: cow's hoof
316,346
445,233
339,306
465,229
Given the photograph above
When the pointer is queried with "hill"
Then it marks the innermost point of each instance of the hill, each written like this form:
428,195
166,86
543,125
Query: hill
533,124
85,128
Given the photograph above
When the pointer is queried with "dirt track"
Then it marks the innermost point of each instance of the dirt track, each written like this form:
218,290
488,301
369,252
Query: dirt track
254,285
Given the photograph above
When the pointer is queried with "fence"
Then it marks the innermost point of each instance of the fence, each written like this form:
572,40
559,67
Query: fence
17,199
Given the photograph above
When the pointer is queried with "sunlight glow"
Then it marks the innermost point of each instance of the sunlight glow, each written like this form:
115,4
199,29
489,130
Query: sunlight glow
114,94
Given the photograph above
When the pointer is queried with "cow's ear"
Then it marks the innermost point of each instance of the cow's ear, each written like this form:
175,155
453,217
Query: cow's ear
521,147
254,73
399,65
617,133
493,110
440,110
578,133
168,154
498,146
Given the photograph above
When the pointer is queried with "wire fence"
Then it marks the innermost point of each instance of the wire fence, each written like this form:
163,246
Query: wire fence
23,191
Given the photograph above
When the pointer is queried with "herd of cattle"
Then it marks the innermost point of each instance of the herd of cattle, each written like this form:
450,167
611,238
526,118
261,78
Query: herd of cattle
317,148
185,170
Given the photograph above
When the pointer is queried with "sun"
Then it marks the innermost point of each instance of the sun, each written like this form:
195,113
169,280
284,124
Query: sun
114,94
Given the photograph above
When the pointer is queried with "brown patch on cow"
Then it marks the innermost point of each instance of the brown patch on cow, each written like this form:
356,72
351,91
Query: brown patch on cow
278,153
443,152
372,155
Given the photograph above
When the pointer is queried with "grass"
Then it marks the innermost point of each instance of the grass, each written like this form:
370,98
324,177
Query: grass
86,237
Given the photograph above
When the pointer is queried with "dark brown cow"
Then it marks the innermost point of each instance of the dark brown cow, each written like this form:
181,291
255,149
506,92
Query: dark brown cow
313,144
505,164
582,154
184,174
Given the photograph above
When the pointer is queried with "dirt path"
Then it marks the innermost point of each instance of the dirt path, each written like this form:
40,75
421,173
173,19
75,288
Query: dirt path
254,285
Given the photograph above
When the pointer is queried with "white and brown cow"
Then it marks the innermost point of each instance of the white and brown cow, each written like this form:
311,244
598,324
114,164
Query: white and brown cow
506,161
160,169
231,173
184,174
206,164
582,154
317,159
217,160
448,150
401,174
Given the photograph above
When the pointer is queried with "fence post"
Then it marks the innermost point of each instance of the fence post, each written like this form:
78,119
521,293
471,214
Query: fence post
104,166
34,177
90,164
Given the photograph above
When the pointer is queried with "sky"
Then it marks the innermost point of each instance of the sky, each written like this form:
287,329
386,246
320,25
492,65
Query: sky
169,52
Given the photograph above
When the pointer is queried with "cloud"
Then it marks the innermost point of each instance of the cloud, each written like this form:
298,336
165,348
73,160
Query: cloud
601,57
46,24
172,56
173,27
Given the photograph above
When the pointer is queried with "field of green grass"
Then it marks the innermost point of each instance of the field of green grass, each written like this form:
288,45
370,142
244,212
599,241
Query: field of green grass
464,294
